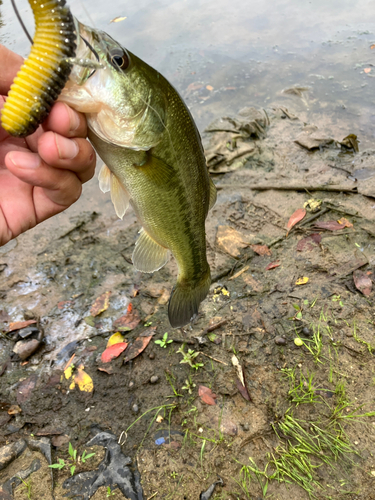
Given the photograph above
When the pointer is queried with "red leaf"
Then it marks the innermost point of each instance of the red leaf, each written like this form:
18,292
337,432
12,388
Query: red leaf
298,215
331,225
307,243
272,265
261,249
243,390
206,395
135,349
362,282
129,321
113,352
17,325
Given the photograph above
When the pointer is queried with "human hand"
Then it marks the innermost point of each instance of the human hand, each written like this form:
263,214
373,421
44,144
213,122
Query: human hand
41,175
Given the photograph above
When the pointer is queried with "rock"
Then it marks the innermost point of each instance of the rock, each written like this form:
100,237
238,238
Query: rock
131,384
135,408
25,348
306,331
10,452
229,427
60,440
280,341
154,379
151,355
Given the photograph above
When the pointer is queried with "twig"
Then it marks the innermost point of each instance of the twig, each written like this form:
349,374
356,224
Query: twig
278,187
214,359
152,496
211,328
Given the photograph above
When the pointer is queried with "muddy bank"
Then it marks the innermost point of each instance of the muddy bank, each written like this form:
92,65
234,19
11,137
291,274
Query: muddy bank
306,350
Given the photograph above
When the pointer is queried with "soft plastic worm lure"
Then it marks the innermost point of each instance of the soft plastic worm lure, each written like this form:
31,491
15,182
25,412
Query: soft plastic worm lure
45,72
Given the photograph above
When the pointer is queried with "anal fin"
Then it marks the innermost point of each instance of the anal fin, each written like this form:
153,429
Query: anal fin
149,256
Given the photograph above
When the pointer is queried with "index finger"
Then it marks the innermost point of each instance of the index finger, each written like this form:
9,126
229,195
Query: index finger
10,64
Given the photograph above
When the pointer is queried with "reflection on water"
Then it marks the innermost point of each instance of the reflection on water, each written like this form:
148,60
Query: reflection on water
223,55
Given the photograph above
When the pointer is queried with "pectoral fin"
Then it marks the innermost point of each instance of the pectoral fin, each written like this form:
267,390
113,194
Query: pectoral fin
149,256
119,196
105,179
213,194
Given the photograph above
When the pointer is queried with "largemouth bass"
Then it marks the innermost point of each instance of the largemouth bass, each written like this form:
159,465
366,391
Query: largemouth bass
153,155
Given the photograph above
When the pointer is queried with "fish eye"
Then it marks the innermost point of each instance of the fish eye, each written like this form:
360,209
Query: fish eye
120,60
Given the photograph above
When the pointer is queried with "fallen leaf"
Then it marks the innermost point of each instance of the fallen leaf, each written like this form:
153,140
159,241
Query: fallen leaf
68,372
129,321
25,388
117,19
372,46
230,240
113,352
206,395
106,369
302,281
209,87
101,304
309,243
83,380
139,346
116,338
17,325
261,249
244,392
331,225
69,362
362,282
14,410
345,222
65,303
272,265
367,70
296,217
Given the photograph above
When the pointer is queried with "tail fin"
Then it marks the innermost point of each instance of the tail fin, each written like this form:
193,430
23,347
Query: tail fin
185,299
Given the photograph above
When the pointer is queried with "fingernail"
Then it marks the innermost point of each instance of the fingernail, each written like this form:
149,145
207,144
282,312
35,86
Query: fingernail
74,119
67,148
24,160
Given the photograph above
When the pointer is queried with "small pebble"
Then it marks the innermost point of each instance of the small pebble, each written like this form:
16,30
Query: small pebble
349,334
151,355
131,384
135,408
154,379
306,331
280,341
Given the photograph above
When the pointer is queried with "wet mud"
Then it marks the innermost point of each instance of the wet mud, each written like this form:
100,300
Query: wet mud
306,351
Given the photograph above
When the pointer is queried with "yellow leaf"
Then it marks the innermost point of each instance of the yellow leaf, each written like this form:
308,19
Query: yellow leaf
68,372
101,304
116,338
72,386
83,380
302,281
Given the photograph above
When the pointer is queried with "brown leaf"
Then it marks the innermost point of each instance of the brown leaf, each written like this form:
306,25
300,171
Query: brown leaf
345,222
65,304
107,369
272,265
206,395
331,225
309,243
244,392
230,240
129,321
17,325
101,304
261,249
296,217
135,349
14,410
362,282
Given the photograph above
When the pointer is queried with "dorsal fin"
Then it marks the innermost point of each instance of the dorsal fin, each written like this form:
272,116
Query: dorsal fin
148,256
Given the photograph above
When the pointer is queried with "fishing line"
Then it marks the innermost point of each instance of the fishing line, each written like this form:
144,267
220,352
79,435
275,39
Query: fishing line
21,21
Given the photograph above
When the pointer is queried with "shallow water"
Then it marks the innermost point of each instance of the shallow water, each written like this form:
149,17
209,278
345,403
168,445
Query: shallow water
247,53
